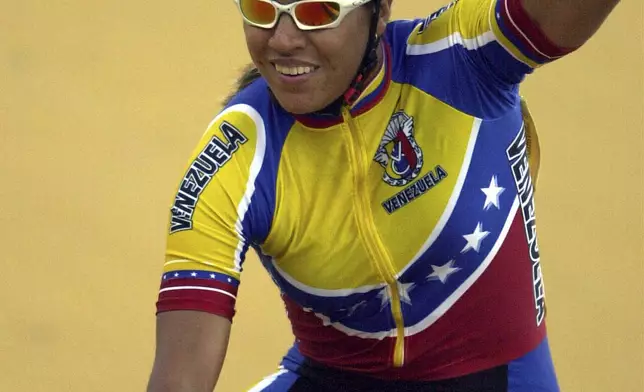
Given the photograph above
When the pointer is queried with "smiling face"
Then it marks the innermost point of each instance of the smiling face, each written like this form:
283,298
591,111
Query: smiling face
308,70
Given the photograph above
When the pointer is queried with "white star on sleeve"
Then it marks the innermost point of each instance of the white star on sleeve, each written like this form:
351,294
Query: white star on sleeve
492,194
212,276
474,240
193,274
443,272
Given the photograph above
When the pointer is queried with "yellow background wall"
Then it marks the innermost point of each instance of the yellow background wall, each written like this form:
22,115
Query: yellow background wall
100,105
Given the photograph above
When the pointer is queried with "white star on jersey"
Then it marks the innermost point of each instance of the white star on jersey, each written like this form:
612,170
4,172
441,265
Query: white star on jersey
443,272
492,194
474,239
403,293
352,309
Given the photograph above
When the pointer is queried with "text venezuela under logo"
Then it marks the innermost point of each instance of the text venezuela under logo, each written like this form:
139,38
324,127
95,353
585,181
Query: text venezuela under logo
401,157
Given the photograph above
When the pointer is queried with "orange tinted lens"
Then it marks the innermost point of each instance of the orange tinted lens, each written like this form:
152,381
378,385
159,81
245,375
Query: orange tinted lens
258,11
317,14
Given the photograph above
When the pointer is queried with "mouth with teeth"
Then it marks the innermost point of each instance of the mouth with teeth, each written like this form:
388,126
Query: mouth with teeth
294,71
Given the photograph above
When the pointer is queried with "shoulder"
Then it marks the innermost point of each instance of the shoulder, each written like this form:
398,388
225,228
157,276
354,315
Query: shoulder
256,103
412,40
252,101
227,148
441,30
398,35
403,32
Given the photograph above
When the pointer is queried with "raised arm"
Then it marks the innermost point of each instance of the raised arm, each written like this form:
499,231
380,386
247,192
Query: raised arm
480,51
568,23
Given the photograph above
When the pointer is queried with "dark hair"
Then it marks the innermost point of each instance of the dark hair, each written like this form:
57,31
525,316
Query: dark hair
249,74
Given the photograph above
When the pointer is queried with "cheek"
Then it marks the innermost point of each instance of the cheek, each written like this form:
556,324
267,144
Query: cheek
346,47
255,42
343,58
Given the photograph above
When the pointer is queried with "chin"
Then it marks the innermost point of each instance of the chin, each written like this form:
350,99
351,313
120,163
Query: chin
295,104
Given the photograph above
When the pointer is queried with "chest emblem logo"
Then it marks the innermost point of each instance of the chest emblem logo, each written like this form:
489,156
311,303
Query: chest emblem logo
398,152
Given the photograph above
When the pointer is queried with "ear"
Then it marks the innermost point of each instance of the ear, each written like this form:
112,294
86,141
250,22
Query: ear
385,15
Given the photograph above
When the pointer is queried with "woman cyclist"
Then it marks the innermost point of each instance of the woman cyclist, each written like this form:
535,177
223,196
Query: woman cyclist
383,171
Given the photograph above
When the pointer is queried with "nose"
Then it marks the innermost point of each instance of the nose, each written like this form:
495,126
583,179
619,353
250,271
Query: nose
287,38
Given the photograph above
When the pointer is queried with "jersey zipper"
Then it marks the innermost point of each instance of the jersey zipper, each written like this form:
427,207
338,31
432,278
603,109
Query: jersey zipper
369,233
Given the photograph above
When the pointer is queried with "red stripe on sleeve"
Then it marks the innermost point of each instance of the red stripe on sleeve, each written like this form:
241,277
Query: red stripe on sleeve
198,294
219,306
527,27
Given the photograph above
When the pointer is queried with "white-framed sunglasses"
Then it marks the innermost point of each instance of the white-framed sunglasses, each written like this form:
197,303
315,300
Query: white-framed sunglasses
307,14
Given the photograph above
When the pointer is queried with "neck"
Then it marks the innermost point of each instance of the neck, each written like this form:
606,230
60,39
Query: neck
374,72
335,107
376,69
359,84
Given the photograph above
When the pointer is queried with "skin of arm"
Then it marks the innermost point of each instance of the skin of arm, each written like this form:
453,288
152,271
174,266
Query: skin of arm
190,351
569,23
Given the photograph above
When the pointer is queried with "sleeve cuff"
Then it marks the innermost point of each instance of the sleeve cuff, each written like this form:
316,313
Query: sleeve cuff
191,291
526,34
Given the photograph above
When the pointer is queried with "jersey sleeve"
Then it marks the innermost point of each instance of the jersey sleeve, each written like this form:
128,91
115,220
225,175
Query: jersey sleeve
207,241
483,49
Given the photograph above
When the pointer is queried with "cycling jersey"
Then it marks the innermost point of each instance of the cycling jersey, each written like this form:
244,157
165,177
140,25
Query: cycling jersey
400,231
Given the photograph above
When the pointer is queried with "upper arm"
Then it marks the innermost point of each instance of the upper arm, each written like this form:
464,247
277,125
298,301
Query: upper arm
208,233
571,23
474,53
